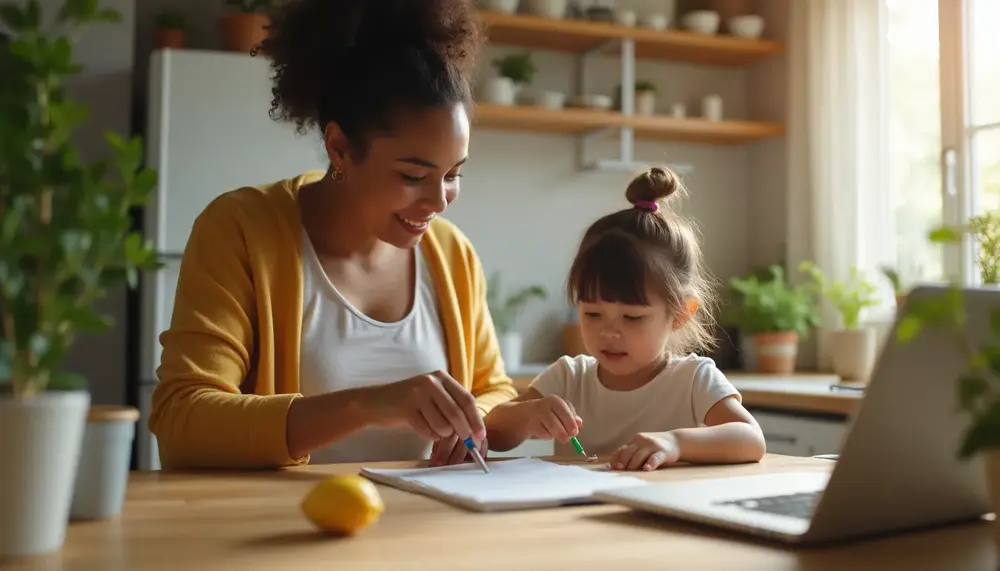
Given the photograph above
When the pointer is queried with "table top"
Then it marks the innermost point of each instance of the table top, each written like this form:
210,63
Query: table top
245,521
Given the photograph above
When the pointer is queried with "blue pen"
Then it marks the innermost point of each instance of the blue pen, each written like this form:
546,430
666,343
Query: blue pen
476,455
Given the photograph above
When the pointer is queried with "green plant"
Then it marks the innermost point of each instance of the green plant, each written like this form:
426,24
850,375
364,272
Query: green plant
251,6
644,85
985,229
892,274
505,312
170,20
849,297
769,304
520,68
65,225
978,386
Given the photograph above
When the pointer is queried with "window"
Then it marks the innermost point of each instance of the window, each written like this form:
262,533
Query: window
943,82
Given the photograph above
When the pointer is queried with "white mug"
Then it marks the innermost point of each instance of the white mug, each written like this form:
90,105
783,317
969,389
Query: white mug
711,107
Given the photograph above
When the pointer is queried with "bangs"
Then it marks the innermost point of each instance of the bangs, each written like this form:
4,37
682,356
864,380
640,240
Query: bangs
613,269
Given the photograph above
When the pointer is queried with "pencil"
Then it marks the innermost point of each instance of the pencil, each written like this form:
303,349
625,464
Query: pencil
476,455
576,444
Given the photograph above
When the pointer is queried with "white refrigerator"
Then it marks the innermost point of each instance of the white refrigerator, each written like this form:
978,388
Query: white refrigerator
208,131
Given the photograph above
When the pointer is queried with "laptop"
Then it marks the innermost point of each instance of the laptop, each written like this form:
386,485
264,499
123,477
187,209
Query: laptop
897,469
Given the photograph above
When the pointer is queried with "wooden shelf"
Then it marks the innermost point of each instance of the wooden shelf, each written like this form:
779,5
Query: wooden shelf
579,121
579,36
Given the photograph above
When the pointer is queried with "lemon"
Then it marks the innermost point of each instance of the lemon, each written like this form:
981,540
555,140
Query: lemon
343,504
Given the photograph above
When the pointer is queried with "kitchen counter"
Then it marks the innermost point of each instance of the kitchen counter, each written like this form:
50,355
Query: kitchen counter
808,393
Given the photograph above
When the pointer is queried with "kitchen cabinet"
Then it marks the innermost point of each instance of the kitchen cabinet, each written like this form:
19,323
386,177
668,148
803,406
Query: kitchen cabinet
800,435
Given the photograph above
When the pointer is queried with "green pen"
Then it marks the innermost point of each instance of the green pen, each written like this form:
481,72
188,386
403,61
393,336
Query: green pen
576,444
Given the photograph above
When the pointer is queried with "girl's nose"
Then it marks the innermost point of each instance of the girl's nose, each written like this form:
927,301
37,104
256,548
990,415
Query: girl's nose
610,333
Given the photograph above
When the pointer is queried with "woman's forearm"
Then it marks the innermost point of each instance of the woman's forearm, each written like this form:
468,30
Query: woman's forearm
730,443
320,420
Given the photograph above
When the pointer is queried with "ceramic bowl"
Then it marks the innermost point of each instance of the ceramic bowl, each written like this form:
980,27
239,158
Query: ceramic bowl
547,8
746,26
701,21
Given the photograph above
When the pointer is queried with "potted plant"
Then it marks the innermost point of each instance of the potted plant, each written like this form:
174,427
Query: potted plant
645,98
985,230
776,315
65,241
515,72
852,347
170,29
892,274
247,26
505,312
977,387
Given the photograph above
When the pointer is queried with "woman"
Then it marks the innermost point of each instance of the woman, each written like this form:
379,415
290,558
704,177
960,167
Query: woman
335,316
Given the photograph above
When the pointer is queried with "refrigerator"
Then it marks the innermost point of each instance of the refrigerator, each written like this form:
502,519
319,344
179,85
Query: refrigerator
207,132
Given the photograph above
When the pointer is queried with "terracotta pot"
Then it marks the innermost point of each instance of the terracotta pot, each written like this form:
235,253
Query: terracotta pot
776,352
853,353
173,39
242,31
900,301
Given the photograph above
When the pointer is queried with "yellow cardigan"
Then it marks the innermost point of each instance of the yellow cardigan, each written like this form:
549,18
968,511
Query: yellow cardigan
230,363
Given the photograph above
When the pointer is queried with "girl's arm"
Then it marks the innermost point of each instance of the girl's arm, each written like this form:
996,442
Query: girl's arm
507,423
732,436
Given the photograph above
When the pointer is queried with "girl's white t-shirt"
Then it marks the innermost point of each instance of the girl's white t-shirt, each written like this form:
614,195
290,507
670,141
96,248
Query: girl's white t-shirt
679,397
342,348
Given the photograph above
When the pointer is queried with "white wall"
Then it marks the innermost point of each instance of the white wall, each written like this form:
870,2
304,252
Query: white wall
522,194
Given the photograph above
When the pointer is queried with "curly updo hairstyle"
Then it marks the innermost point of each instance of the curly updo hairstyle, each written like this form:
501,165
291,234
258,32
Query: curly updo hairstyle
361,62
647,248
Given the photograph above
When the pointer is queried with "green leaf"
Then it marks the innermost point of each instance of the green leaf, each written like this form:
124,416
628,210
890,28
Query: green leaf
13,17
109,15
971,388
995,321
67,382
908,329
945,235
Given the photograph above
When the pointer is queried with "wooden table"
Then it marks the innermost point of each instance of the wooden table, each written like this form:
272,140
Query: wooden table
251,521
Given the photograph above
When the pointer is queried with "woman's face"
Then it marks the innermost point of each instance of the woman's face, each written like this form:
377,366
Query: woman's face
408,176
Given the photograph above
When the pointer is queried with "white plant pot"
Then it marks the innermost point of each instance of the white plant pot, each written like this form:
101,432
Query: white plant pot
102,476
548,8
506,6
500,90
748,355
645,103
40,439
510,350
852,353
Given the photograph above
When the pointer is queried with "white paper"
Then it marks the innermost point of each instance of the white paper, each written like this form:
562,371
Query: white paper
511,484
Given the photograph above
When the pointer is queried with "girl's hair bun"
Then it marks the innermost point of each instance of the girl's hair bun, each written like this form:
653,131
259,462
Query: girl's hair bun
654,185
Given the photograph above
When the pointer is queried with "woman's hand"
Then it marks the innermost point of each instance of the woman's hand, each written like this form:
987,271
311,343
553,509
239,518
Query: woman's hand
551,418
646,451
452,450
435,405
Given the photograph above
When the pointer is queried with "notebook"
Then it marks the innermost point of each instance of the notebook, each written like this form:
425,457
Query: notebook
517,484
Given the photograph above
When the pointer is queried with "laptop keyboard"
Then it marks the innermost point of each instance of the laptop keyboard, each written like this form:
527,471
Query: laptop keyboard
799,505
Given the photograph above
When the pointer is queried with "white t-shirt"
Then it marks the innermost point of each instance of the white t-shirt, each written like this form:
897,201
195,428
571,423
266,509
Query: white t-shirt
679,397
343,348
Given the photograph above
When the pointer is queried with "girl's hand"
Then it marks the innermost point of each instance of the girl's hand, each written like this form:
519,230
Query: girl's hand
646,451
452,450
552,418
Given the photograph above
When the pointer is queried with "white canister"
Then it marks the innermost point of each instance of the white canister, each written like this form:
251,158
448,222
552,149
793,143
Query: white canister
626,17
499,90
711,107
678,111
510,350
552,99
102,476
645,103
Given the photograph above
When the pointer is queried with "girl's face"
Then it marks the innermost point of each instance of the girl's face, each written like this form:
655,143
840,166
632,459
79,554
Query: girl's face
408,176
627,340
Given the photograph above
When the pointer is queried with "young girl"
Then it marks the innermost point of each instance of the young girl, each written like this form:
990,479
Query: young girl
642,396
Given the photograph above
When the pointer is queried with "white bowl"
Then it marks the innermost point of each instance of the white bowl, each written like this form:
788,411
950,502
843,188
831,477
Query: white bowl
701,21
548,8
746,26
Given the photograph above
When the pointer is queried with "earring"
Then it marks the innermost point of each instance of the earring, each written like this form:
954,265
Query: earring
337,175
